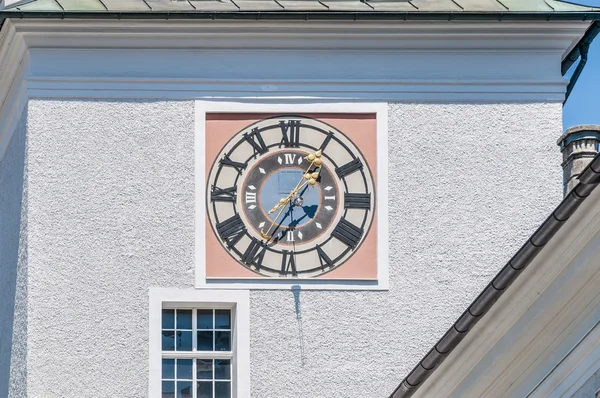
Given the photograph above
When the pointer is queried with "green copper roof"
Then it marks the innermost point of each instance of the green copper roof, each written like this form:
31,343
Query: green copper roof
412,6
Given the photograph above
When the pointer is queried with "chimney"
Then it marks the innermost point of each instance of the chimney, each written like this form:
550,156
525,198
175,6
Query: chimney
578,145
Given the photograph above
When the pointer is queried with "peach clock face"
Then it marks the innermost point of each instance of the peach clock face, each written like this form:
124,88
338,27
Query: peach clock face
290,196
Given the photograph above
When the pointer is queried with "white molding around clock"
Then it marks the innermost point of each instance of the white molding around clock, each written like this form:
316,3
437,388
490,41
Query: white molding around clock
306,106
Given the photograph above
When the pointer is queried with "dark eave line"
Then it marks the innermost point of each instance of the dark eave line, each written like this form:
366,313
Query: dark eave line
310,15
588,180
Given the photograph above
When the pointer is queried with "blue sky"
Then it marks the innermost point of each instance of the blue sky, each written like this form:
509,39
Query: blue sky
583,106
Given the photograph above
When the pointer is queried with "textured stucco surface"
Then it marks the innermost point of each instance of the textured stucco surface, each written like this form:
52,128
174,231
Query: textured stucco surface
13,240
589,389
111,210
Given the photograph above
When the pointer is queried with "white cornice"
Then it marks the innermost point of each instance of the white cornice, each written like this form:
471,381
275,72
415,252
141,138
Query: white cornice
540,321
331,61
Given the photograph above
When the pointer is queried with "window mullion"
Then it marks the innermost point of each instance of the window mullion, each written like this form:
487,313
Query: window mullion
194,349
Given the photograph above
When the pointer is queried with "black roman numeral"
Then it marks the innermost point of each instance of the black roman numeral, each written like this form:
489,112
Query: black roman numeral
231,230
256,140
349,168
239,167
326,141
223,194
288,265
255,253
347,233
290,133
357,200
324,258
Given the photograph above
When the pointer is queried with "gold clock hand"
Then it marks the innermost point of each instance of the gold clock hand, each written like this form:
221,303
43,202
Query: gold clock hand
314,159
311,178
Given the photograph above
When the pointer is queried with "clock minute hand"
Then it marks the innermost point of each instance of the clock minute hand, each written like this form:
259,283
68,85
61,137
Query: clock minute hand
311,178
314,159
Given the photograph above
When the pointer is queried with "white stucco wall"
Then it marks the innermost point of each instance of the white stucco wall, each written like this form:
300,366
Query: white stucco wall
111,210
13,265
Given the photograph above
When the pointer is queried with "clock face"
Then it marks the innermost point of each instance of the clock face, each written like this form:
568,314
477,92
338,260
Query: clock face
290,196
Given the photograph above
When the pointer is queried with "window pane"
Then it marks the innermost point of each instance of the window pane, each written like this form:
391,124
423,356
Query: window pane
168,340
168,389
168,369
222,319
223,369
222,341
184,319
205,341
204,369
184,389
205,319
222,389
204,389
184,369
168,320
184,341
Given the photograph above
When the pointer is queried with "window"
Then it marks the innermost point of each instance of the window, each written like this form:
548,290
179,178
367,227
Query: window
196,353
199,344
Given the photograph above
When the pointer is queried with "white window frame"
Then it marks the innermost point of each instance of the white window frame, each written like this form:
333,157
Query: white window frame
236,300
295,105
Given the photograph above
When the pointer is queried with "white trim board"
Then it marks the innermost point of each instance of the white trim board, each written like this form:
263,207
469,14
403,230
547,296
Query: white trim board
238,300
349,61
381,114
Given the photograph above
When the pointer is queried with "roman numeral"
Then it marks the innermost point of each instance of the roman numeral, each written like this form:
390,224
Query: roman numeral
326,141
231,230
250,197
290,133
239,167
347,233
290,158
255,253
349,168
357,200
288,265
256,140
223,194
324,258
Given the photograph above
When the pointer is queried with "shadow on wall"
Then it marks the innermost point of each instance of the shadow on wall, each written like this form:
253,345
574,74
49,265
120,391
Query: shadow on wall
13,264
296,292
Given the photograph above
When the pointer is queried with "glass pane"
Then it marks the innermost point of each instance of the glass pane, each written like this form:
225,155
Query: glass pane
223,369
205,341
184,341
184,369
168,319
205,319
168,340
184,319
168,369
222,319
222,389
168,389
184,389
204,389
222,341
204,369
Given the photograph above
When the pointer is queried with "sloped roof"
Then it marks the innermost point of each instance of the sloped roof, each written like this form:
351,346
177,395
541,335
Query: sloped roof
588,181
476,7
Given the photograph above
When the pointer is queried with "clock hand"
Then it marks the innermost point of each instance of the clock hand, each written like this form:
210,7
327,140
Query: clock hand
315,159
306,179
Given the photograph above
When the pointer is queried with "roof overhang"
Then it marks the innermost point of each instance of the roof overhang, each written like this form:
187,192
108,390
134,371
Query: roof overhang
538,338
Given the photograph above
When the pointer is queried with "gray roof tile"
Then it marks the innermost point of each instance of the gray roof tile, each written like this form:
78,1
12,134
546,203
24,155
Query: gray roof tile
415,6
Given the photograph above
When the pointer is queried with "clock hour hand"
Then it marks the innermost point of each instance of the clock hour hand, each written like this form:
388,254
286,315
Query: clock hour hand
311,178
306,179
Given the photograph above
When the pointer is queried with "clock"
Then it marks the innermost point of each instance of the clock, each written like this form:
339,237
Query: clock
290,196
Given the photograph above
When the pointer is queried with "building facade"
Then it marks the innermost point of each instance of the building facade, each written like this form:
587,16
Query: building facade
123,274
